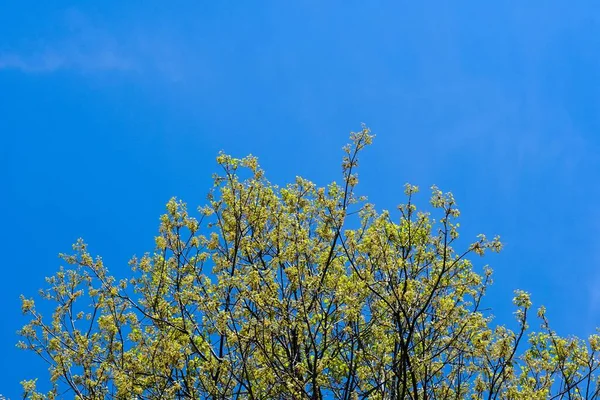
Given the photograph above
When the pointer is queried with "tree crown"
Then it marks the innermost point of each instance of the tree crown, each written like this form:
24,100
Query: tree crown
298,292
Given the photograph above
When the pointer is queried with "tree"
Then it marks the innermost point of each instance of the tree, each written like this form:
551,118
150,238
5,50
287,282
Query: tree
300,292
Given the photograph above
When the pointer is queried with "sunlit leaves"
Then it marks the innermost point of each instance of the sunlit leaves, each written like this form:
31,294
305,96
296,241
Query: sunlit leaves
298,292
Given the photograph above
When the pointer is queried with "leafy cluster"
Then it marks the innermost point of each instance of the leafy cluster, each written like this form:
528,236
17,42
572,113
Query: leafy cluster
299,292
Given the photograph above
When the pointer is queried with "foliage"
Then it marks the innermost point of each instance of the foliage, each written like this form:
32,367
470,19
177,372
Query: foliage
298,292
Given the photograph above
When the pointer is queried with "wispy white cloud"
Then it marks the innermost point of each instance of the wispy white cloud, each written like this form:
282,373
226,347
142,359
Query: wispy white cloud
50,60
85,47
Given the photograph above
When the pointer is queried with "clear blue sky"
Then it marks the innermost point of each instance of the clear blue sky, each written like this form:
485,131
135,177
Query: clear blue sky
107,109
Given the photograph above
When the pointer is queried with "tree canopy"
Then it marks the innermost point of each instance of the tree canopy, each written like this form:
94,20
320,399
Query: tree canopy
298,292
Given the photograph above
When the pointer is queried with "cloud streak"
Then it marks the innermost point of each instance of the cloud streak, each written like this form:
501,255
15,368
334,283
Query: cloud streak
86,48
51,60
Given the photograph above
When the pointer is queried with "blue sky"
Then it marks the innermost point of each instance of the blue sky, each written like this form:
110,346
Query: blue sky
109,109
